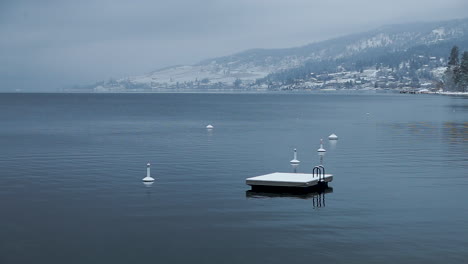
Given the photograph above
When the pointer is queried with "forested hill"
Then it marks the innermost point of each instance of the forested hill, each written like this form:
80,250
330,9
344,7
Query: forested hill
387,38
388,57
414,57
409,52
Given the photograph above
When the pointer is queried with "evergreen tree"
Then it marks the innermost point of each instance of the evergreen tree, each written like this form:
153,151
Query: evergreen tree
415,82
237,83
449,79
452,74
453,59
463,73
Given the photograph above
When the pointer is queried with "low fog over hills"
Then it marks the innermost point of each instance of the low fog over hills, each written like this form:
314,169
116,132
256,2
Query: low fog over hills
394,56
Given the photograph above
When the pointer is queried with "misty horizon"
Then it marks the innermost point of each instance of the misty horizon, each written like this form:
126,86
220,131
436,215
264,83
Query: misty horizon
53,45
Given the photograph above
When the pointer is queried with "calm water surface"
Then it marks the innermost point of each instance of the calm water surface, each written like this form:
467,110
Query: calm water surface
71,167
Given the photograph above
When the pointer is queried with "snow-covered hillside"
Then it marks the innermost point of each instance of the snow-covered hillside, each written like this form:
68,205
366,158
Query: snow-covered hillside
243,69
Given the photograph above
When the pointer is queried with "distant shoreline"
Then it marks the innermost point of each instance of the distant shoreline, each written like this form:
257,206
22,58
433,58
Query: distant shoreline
362,92
450,93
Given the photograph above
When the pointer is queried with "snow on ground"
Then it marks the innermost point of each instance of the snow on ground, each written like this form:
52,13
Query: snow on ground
439,72
453,93
379,40
213,73
371,73
439,31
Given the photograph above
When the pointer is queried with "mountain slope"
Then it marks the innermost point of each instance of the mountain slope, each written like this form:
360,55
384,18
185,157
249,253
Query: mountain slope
243,69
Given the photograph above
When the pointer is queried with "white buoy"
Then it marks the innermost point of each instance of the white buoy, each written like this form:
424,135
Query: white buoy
295,161
148,177
332,137
321,149
209,127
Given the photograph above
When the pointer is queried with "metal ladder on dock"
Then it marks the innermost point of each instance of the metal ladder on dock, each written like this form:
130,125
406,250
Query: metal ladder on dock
319,171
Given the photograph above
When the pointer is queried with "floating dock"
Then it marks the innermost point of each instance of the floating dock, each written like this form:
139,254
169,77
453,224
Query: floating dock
283,181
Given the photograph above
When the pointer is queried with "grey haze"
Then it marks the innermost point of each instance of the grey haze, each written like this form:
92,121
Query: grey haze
46,45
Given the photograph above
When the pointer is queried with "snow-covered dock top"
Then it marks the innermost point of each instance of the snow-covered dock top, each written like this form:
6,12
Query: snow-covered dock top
285,179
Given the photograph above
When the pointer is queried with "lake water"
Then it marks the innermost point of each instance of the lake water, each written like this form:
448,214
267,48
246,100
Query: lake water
71,167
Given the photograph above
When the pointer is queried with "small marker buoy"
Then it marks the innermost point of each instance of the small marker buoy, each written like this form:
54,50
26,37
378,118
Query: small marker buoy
321,149
148,177
209,127
332,137
295,161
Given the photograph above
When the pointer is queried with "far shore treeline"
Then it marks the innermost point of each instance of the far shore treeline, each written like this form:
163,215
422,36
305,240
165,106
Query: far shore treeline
456,75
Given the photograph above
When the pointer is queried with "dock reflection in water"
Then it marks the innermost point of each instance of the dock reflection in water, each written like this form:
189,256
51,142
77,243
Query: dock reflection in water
318,197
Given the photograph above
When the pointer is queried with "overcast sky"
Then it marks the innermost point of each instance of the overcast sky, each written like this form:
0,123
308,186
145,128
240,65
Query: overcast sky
49,44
